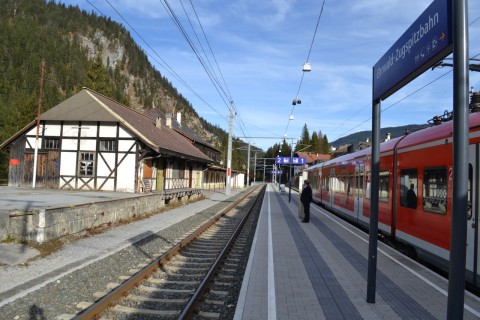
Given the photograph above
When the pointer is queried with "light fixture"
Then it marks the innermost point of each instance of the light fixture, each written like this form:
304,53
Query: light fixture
307,67
296,101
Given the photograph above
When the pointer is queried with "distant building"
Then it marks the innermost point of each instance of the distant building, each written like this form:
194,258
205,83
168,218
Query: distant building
313,157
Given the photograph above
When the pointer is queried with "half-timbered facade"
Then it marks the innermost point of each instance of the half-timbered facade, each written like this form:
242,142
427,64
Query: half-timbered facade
90,142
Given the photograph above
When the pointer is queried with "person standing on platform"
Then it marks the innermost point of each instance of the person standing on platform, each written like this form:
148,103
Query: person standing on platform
306,198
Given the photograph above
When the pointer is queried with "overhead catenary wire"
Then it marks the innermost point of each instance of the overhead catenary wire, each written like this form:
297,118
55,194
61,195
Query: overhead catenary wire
222,89
399,101
162,62
306,61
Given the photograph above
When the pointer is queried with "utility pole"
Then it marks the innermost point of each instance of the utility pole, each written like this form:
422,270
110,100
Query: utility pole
229,152
34,178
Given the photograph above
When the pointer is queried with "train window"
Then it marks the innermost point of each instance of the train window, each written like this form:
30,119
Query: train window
359,182
326,183
367,193
341,187
435,190
350,184
383,191
408,188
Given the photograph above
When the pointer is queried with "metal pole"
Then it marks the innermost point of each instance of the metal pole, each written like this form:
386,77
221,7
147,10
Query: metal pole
255,169
290,171
248,166
263,170
229,156
34,178
374,187
458,241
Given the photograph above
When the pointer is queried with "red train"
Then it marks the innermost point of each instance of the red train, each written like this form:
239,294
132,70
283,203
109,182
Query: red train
415,191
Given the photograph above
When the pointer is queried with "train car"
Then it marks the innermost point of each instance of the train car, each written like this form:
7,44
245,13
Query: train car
415,192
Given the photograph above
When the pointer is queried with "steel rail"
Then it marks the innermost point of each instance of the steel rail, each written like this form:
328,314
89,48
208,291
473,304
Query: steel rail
188,311
94,311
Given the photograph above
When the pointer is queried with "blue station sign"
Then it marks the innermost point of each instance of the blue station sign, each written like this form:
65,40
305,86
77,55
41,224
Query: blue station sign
286,160
427,41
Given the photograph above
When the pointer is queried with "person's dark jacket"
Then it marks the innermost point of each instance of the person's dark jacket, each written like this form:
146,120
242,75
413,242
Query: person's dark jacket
306,196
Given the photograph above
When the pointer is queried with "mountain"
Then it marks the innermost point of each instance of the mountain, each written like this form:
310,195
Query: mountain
357,137
80,49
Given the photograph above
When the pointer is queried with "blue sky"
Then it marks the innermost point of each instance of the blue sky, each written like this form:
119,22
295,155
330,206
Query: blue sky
260,48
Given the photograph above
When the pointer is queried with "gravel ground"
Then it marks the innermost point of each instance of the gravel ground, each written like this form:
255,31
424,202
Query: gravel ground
48,287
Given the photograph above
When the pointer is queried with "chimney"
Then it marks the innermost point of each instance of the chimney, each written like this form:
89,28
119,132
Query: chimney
179,118
158,122
169,120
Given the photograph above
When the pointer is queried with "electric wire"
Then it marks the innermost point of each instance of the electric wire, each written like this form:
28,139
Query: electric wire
184,33
162,62
223,87
303,72
207,66
399,101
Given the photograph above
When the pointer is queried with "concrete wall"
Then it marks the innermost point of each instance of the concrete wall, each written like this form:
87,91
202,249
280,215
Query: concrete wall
53,223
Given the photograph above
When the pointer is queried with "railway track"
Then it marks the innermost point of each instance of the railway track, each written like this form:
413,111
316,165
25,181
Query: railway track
194,279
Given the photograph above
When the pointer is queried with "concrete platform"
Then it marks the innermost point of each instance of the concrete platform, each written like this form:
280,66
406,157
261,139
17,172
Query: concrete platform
14,253
318,270
44,214
25,199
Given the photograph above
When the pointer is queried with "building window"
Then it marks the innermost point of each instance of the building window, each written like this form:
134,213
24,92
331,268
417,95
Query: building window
51,143
108,145
435,190
408,188
86,164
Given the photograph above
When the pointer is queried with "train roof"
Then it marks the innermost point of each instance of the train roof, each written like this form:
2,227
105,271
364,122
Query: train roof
438,132
350,157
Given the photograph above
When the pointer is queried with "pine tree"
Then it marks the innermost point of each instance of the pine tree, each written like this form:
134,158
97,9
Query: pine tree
315,142
98,79
325,145
304,139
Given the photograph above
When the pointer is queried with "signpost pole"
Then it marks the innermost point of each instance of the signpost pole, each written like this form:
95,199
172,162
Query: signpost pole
375,181
458,241
427,41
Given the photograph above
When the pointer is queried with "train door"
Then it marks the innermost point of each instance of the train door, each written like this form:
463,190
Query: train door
473,242
358,208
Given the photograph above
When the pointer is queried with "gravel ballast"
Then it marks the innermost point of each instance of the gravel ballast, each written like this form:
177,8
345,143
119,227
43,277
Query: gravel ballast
48,287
